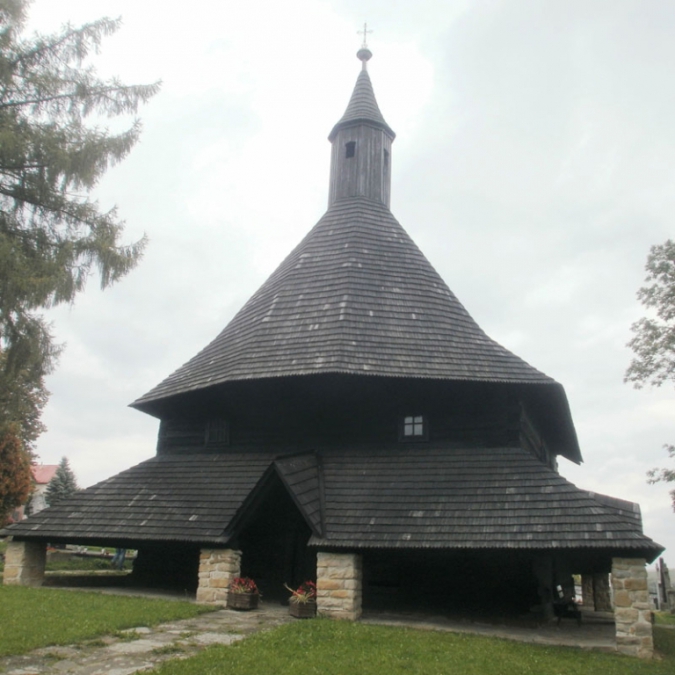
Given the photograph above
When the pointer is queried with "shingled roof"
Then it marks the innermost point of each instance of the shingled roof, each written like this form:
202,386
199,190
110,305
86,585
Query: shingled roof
171,498
467,498
356,296
303,477
362,108
355,497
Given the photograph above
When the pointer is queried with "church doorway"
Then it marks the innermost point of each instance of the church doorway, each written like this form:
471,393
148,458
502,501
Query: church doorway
273,541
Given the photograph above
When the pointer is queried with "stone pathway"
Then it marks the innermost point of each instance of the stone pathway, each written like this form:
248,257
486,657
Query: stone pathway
146,647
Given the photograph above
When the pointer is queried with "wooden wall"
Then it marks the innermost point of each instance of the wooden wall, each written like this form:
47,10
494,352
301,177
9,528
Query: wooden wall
336,410
367,173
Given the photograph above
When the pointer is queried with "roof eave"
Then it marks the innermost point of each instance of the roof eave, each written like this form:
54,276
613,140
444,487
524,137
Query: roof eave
361,121
650,551
146,402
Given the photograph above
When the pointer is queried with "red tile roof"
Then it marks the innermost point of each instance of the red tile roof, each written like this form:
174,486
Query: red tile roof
43,473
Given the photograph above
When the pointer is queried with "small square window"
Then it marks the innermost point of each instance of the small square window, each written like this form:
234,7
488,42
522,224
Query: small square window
217,432
414,428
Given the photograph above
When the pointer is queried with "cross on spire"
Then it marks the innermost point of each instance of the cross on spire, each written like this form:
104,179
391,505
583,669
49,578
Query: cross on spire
364,54
364,32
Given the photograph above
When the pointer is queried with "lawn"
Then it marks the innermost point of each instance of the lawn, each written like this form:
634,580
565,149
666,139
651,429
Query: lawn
665,618
39,617
67,563
336,648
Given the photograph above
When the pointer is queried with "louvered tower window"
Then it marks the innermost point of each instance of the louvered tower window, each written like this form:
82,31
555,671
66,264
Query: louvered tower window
350,149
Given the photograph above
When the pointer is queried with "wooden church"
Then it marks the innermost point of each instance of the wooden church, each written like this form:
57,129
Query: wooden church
354,425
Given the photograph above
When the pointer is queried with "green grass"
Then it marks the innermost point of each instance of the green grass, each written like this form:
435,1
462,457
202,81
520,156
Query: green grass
41,617
664,639
665,618
69,563
3,548
81,564
169,650
334,648
127,635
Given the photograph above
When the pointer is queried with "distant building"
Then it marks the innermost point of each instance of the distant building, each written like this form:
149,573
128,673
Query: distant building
42,475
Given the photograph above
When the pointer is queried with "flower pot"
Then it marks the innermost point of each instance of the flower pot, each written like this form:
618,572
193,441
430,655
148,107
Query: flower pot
242,601
302,610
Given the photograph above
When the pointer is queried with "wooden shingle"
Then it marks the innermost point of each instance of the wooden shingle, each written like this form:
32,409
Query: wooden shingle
356,296
467,498
167,498
362,108
390,496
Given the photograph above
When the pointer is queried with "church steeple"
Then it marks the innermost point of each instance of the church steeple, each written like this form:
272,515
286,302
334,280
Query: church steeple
361,155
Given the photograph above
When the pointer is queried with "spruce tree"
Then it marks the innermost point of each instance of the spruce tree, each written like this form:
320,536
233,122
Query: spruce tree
63,485
52,235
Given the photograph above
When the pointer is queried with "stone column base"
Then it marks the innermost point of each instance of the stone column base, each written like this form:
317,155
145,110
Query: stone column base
632,608
217,568
339,583
25,563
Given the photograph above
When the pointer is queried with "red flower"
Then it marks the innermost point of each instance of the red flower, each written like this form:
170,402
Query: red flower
306,592
243,585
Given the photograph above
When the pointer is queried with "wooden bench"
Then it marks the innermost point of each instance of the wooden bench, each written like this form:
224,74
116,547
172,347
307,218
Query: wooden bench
567,609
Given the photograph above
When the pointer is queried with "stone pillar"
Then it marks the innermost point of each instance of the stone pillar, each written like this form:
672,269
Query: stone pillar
25,563
217,567
339,583
602,593
587,593
632,613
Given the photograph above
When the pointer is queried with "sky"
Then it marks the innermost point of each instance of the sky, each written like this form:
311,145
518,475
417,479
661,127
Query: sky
534,165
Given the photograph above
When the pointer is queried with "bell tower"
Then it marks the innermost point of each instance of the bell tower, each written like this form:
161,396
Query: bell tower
361,155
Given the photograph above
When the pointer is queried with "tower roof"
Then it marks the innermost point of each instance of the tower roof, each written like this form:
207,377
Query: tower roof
356,296
362,108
